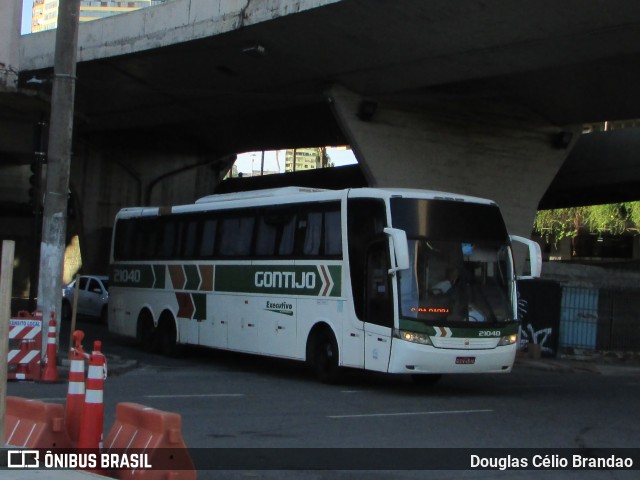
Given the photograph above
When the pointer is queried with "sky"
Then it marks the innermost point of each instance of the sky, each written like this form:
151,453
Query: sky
246,160
27,6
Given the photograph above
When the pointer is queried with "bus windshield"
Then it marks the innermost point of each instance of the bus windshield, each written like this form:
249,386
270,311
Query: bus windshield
461,269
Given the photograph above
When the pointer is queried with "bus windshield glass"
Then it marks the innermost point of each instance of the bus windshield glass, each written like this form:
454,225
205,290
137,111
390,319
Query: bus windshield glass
461,269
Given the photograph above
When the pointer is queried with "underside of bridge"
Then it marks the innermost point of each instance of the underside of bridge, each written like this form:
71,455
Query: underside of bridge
481,98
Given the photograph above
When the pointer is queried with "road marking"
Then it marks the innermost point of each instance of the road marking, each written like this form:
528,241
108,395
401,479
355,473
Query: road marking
350,391
402,414
197,395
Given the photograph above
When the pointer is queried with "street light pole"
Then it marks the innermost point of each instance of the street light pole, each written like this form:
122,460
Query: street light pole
54,225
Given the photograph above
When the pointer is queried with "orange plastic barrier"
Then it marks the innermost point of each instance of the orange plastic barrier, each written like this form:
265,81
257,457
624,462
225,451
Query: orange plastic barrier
50,373
92,419
35,424
153,432
76,389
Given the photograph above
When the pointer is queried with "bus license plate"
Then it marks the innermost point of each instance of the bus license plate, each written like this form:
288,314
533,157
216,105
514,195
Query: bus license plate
465,360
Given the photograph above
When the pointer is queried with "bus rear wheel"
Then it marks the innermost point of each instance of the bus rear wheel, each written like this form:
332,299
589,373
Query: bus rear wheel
147,334
325,358
168,336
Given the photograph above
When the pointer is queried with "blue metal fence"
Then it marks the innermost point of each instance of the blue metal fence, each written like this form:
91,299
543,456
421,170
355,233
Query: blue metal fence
597,319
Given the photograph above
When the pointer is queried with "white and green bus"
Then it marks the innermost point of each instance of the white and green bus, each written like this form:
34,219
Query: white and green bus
391,280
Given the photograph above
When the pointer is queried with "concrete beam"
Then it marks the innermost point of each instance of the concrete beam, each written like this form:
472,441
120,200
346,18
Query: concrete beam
486,150
171,23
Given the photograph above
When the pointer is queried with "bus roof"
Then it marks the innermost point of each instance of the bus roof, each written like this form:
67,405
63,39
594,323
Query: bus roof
287,195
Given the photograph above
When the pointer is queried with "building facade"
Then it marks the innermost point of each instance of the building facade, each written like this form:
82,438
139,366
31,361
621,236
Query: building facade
305,159
45,12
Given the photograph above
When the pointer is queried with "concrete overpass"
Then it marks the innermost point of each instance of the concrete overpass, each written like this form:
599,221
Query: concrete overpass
482,98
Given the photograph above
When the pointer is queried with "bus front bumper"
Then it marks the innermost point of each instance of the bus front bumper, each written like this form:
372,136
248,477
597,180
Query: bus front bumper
414,358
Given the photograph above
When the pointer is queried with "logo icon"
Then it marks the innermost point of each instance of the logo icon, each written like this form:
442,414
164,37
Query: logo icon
23,459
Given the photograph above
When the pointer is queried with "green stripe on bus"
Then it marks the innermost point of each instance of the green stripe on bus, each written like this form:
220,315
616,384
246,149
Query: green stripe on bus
311,280
193,277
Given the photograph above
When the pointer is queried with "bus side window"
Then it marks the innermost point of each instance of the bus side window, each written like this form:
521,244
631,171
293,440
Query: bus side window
275,233
287,239
207,247
147,239
332,233
265,238
322,231
124,239
236,236
189,238
313,234
168,240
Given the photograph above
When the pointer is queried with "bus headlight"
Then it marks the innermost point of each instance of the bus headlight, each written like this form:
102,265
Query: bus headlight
413,337
508,340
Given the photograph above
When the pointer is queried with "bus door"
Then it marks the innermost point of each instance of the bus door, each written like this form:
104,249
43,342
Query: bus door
378,307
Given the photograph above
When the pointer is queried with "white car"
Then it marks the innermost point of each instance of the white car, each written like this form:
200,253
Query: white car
93,297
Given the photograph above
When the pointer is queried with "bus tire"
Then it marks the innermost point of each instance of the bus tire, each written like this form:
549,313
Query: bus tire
167,335
325,357
146,333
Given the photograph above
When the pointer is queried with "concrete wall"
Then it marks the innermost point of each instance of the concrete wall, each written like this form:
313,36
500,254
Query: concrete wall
108,178
10,21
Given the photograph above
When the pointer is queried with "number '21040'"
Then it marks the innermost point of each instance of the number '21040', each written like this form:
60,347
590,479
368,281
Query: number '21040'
126,276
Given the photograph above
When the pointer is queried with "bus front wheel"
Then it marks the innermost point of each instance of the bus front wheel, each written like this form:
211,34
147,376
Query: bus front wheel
325,358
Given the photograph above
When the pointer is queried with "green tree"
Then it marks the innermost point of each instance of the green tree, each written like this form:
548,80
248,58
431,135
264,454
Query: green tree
614,218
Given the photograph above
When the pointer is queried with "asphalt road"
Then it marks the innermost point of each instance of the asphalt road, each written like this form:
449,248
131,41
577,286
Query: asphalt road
237,401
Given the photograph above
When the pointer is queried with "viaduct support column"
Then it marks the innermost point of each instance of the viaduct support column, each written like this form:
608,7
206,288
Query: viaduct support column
484,150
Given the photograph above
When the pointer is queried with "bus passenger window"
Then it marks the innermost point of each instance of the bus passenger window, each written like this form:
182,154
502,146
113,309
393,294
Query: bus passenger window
237,233
208,238
189,239
287,238
333,231
266,238
165,250
313,234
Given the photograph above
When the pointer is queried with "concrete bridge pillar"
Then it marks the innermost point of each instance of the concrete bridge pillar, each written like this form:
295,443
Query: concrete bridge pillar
481,149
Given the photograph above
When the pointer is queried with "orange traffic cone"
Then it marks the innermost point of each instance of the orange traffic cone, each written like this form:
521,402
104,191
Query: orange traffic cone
93,411
75,392
50,373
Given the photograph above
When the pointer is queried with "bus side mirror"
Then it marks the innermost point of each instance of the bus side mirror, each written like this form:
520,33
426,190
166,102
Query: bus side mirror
400,249
535,255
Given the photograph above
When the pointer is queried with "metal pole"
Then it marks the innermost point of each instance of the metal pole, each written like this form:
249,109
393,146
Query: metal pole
40,156
6,281
74,310
54,225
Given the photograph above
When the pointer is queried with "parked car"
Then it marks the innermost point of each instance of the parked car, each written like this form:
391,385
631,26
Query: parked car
93,297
